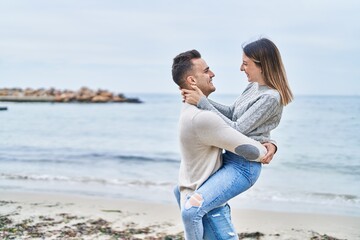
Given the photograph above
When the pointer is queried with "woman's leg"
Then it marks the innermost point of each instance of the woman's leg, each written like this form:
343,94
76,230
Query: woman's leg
234,177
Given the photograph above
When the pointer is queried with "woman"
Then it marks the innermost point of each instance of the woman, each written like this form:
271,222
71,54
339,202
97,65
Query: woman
255,113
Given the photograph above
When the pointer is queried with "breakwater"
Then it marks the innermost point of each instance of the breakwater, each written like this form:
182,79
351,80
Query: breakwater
84,95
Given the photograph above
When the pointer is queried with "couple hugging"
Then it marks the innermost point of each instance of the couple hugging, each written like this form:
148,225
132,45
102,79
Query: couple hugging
209,178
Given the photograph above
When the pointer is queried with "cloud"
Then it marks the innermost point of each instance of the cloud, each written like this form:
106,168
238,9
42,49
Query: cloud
130,45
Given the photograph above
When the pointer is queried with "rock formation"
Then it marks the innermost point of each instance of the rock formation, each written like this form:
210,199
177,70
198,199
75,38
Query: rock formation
84,94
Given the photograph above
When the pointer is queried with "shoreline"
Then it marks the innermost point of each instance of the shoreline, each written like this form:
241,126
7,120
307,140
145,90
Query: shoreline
51,215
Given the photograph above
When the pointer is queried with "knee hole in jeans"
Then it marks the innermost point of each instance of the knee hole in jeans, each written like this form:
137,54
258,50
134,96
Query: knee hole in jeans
194,201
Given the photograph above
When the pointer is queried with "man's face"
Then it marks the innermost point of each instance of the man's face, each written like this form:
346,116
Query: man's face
203,76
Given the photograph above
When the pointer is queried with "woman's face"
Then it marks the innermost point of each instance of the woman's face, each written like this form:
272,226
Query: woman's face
252,71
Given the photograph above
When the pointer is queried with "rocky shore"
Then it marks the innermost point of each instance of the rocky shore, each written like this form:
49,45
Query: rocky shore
83,95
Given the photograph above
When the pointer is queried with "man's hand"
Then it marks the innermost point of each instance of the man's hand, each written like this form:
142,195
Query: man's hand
192,96
271,149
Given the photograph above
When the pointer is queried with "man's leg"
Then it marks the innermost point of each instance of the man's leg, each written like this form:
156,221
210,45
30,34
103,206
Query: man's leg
177,195
233,178
218,226
217,223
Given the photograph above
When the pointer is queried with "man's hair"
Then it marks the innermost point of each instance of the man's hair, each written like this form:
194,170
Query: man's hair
182,65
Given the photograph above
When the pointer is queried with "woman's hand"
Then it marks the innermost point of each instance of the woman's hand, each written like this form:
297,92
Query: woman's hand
192,96
271,149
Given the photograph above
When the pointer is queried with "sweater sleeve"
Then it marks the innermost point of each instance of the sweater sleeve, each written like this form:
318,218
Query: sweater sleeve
256,114
213,131
227,111
207,104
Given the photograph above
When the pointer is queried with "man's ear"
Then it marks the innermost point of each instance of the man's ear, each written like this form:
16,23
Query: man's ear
191,80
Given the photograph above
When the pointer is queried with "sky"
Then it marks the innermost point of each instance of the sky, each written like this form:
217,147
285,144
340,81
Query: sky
128,46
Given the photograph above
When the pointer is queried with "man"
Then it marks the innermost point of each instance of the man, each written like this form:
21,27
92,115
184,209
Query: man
203,135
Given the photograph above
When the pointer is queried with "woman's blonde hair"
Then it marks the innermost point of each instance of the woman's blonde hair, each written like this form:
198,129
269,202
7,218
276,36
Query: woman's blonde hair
266,55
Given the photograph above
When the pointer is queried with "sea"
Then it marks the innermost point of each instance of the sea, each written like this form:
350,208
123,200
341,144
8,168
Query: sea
131,151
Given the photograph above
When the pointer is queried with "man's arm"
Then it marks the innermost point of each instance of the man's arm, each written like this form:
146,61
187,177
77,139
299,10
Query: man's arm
245,124
213,131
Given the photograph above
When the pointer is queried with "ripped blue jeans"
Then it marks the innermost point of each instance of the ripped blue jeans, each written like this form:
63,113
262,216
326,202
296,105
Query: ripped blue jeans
217,223
234,177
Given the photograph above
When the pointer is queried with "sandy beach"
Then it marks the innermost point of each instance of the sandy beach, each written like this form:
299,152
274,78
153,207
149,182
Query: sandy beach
51,216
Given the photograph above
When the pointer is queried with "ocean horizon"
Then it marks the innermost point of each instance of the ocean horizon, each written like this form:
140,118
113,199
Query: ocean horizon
131,151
